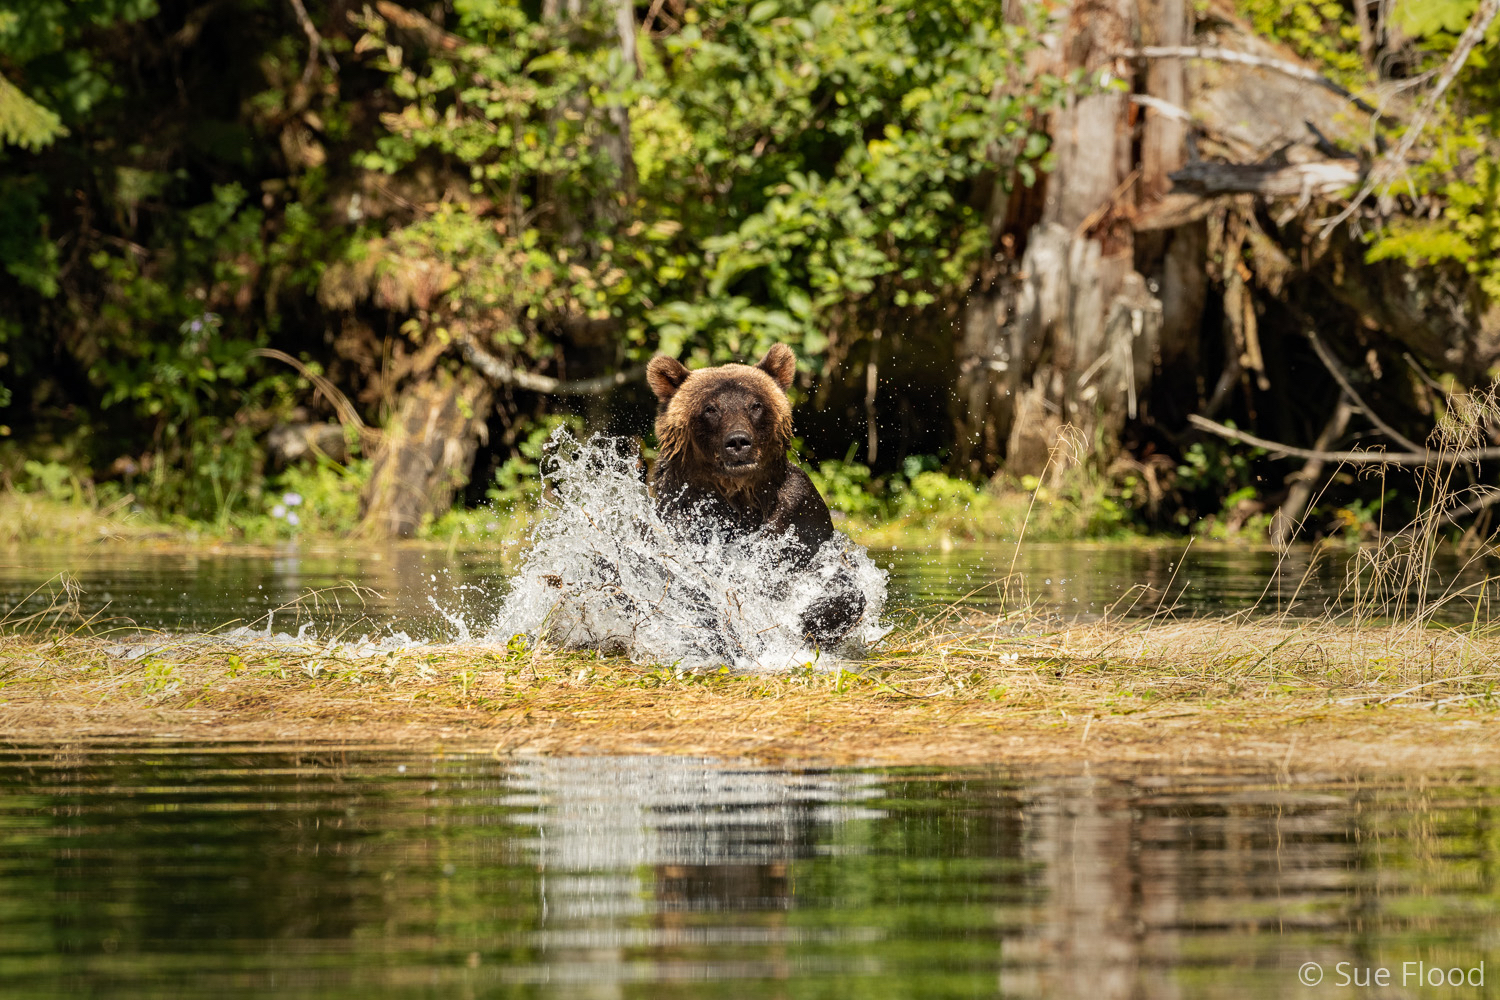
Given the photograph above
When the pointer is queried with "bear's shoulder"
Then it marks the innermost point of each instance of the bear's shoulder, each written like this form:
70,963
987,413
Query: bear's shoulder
800,509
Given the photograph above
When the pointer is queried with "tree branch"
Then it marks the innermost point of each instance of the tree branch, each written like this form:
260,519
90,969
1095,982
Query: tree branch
415,24
1410,458
500,373
314,43
1451,515
342,408
1323,178
1283,66
1394,162
1338,376
1288,519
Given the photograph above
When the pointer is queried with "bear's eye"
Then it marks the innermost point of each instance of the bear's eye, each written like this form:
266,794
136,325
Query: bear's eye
711,410
756,408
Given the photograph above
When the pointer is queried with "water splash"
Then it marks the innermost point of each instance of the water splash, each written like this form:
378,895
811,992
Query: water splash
604,572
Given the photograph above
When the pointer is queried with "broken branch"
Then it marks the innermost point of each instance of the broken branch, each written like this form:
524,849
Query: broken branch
342,408
500,373
314,44
1411,458
1244,59
1337,372
1321,178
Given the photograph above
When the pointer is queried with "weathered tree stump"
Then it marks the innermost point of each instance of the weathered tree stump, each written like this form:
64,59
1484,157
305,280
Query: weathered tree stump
1073,337
427,453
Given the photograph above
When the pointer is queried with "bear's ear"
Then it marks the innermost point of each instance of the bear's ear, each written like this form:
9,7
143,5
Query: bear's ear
665,376
781,364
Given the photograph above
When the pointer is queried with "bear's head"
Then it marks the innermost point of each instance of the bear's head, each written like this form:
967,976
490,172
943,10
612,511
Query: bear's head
731,424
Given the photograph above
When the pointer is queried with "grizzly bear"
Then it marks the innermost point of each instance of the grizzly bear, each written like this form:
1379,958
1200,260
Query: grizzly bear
722,437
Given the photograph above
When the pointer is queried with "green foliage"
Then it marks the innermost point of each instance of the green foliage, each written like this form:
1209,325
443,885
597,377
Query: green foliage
1429,18
54,479
1461,173
148,297
763,172
1211,466
1359,519
846,486
24,122
778,165
1321,31
518,481
317,499
1214,479
1081,503
930,492
918,492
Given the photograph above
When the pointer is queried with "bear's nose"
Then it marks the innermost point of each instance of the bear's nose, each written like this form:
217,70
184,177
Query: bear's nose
737,447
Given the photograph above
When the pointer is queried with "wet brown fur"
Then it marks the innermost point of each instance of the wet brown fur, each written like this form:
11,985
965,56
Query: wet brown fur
686,453
695,489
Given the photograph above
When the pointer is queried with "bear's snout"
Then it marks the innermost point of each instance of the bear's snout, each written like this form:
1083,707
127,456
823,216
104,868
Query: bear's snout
739,449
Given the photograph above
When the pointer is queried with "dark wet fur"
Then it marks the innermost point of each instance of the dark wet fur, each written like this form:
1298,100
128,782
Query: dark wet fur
702,415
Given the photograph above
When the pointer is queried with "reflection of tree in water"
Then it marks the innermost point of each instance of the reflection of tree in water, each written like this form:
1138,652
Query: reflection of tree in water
1146,878
135,856
217,872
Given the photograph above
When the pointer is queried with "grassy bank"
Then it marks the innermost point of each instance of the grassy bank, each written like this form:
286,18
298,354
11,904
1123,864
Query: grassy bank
29,518
316,503
1296,695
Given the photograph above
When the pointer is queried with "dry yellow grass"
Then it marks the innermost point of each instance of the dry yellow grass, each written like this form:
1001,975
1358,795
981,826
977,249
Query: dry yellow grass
996,690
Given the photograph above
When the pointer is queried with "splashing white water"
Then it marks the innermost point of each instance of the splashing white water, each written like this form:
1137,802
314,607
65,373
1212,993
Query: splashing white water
604,572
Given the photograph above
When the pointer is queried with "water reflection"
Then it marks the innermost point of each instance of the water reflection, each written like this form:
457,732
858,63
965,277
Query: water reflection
212,872
425,591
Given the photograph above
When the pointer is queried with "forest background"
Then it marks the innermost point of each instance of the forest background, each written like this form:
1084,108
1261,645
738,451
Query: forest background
275,267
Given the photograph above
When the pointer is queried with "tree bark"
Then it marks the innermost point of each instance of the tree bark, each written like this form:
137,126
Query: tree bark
1142,260
1072,337
427,453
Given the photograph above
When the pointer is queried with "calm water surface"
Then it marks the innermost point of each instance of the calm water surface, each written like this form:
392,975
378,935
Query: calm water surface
405,588
214,871
211,872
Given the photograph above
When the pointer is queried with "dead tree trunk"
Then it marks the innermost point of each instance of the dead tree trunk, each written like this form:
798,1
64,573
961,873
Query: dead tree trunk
1074,337
427,453
1201,194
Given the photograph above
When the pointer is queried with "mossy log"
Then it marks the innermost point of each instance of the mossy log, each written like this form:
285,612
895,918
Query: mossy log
427,453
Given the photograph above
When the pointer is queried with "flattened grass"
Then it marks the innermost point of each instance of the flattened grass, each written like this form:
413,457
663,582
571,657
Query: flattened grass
955,691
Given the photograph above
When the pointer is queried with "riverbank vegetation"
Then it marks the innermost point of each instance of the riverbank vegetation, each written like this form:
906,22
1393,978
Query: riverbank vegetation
1134,267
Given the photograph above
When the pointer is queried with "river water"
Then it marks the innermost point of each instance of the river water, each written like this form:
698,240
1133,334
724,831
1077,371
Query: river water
421,590
235,871
215,870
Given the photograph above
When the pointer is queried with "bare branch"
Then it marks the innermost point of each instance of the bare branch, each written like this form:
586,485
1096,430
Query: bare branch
650,21
347,414
314,43
421,28
1337,372
1488,499
1212,54
500,373
1162,107
1323,178
1288,519
1407,458
1391,165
